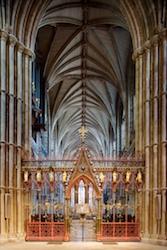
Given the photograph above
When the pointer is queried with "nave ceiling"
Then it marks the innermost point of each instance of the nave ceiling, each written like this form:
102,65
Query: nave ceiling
84,49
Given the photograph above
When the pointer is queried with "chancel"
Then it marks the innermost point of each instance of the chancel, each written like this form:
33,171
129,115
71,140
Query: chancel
83,113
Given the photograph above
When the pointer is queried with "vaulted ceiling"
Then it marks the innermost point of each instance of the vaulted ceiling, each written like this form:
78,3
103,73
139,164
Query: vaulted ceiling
84,49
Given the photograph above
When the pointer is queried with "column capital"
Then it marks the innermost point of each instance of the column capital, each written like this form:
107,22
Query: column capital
20,47
3,35
147,45
12,40
29,52
163,34
138,52
155,40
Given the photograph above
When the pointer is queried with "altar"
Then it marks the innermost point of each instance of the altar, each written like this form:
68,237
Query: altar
83,209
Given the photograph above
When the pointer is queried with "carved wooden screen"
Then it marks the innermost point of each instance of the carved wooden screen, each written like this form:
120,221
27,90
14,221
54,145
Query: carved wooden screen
120,212
44,207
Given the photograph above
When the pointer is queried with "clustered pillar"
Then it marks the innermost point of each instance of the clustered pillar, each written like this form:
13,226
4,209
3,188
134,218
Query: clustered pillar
150,132
15,131
3,101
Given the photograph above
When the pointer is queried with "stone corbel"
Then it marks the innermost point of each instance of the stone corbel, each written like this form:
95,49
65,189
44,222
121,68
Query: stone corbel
12,40
147,45
30,53
3,35
20,47
155,40
138,52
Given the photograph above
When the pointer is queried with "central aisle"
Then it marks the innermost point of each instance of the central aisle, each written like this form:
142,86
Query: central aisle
82,231
80,246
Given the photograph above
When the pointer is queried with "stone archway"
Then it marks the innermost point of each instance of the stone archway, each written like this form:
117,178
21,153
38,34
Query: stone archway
84,174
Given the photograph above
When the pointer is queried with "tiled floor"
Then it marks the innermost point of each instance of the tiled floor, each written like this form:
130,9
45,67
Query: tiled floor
80,246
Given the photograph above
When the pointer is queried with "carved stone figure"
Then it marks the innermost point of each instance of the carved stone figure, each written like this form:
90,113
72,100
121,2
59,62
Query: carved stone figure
127,177
114,176
139,177
39,175
25,176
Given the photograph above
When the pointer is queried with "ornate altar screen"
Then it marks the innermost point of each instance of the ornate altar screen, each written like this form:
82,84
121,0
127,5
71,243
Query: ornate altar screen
110,195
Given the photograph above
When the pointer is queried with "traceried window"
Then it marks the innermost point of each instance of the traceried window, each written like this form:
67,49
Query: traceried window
81,193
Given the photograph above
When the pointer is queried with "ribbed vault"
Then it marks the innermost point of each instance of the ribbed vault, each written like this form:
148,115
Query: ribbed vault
84,49
85,69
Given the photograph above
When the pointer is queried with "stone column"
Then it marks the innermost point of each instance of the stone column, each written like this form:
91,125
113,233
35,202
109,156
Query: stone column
155,133
99,217
25,111
20,49
118,132
140,104
136,59
26,103
147,143
3,38
140,75
66,218
164,135
28,57
12,42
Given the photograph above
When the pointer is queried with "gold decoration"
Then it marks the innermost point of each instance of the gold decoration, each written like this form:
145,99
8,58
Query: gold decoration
101,177
51,175
114,176
127,177
39,175
139,177
64,177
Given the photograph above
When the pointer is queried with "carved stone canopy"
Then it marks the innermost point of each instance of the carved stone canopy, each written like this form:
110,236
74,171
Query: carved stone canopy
83,171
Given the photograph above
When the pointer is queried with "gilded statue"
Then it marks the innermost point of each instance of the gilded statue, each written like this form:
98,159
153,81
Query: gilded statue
139,177
25,176
127,177
101,177
51,175
114,176
64,176
39,175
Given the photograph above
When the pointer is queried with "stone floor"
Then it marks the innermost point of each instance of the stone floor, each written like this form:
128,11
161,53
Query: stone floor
80,246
